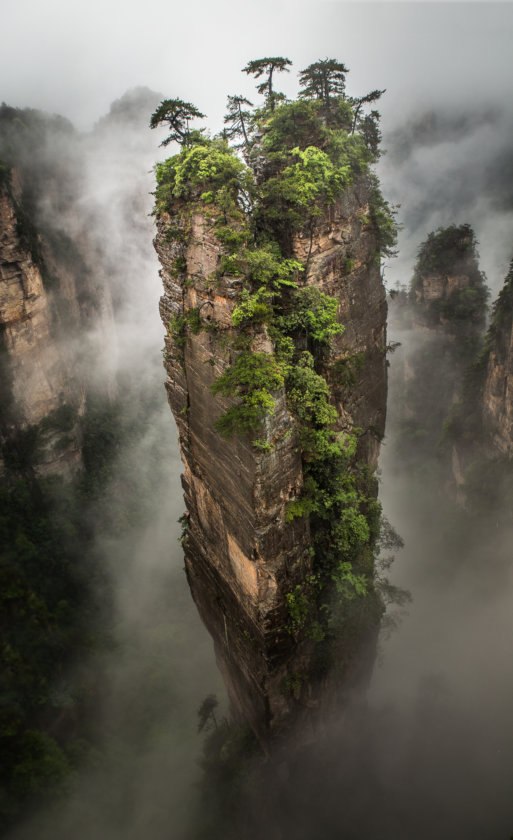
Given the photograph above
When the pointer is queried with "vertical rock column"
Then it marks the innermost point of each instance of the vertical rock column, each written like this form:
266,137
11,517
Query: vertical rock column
243,556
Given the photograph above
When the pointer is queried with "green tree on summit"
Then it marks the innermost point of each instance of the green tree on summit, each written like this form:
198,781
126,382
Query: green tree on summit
323,80
268,66
177,114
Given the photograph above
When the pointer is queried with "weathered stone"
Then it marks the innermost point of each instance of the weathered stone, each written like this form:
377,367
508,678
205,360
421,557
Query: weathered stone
38,363
497,400
242,555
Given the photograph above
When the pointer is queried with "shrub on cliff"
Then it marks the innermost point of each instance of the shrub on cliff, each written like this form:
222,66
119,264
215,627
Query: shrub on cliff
208,171
252,377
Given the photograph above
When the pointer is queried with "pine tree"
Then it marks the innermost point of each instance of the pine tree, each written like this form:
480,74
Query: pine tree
323,80
357,104
260,66
237,118
176,113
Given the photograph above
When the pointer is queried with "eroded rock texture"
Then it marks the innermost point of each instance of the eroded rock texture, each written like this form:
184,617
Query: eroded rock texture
39,309
242,554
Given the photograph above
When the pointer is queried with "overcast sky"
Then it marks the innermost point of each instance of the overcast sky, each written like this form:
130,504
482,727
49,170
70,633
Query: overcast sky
76,57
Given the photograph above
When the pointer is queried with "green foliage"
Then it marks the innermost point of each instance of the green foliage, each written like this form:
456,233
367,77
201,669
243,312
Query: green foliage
302,157
345,370
176,114
28,235
232,238
262,445
193,319
323,80
179,266
295,124
260,66
305,185
293,683
101,439
177,329
445,249
252,309
298,606
263,267
313,314
371,133
179,324
208,171
466,305
347,583
238,118
383,218
308,394
301,605
251,378
453,251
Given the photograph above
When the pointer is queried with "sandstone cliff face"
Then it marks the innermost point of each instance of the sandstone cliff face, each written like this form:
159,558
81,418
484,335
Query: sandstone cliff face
242,554
498,399
35,324
497,392
342,264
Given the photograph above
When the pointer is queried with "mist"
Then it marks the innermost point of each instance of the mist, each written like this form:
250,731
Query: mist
448,166
428,752
158,664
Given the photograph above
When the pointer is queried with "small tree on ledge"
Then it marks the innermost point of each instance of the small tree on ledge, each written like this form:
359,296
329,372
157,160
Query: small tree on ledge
176,113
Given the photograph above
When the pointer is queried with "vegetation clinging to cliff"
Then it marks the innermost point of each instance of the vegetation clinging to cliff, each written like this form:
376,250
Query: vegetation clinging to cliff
299,158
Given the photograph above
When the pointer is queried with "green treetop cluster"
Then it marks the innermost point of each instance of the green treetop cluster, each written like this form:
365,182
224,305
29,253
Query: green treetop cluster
269,175
449,251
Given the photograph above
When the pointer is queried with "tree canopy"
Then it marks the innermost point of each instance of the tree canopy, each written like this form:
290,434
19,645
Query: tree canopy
177,114
259,66
323,79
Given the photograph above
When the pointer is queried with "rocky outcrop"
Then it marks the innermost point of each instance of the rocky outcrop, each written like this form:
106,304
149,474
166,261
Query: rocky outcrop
38,310
448,293
446,313
497,391
244,555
